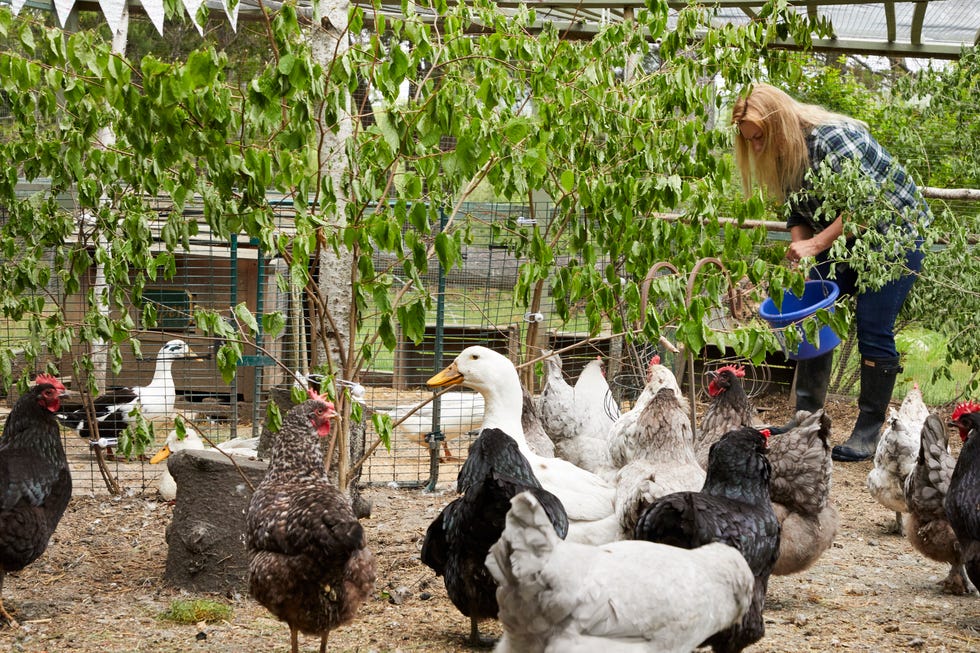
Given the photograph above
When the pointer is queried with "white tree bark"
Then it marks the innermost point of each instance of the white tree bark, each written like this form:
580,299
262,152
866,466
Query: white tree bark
329,39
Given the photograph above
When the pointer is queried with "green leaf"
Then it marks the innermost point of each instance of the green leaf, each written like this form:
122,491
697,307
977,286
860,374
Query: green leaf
246,318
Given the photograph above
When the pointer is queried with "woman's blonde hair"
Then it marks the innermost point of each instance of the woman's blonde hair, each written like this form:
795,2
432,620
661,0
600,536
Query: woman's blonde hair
784,122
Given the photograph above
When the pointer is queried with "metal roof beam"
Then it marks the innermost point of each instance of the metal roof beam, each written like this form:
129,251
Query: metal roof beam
918,17
856,46
673,4
890,21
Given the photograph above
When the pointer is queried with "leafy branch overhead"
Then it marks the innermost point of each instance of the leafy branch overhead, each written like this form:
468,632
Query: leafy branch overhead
614,131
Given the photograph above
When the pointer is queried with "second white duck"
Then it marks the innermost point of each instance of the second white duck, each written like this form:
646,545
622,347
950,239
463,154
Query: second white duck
588,499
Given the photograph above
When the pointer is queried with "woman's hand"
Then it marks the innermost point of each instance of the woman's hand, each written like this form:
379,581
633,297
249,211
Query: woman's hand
803,248
806,243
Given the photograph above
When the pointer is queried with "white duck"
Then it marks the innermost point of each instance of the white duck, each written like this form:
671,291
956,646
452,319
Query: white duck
588,499
155,400
193,441
459,413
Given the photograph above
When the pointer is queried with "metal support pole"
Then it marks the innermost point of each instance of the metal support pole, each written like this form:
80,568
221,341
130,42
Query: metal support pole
435,438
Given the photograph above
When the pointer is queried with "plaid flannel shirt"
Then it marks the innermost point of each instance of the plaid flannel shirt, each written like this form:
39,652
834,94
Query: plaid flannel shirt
835,142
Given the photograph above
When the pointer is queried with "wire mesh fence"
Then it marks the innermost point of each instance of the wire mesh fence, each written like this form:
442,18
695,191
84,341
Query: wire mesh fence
478,306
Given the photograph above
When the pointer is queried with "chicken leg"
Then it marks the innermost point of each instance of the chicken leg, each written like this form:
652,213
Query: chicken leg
4,615
476,639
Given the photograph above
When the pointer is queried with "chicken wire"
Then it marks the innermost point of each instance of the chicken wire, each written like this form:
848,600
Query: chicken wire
479,308
211,273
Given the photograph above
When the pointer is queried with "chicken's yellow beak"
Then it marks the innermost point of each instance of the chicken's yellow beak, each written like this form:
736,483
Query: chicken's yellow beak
160,455
447,377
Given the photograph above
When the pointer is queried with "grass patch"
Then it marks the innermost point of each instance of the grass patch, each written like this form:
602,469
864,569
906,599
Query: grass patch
923,351
196,611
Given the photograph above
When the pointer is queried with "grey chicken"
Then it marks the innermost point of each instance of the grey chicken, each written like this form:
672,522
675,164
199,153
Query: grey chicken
659,458
728,410
652,447
963,498
800,491
926,526
537,437
575,417
308,561
458,540
35,482
732,508
566,597
896,453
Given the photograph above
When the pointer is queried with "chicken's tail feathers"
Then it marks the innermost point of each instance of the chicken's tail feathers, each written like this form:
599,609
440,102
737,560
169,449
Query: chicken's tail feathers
524,546
667,521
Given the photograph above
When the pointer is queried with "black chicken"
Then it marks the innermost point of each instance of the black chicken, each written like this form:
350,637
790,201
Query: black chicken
962,501
308,562
733,508
34,478
458,540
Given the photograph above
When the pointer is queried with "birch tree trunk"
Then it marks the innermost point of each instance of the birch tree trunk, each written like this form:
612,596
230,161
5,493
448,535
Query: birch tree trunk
330,39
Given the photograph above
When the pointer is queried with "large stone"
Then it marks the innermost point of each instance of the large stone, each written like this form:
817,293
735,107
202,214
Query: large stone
206,538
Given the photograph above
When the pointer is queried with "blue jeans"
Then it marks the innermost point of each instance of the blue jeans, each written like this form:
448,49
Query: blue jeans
875,311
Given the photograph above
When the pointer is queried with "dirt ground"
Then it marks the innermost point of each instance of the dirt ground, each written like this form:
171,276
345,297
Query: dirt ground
99,586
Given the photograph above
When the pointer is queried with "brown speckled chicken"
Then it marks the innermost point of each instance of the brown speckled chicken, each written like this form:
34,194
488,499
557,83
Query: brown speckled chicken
652,447
927,526
309,564
800,490
728,410
35,483
963,499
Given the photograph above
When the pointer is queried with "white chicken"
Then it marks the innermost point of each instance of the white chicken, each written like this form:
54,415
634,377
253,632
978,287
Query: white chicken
896,454
575,418
652,447
633,595
587,498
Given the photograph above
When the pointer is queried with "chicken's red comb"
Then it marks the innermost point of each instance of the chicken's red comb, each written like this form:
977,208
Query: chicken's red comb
737,370
47,378
965,408
765,432
314,394
655,360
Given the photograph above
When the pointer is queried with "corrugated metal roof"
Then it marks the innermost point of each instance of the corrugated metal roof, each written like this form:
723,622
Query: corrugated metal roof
906,28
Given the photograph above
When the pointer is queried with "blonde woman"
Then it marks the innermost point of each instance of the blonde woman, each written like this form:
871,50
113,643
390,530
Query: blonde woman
778,141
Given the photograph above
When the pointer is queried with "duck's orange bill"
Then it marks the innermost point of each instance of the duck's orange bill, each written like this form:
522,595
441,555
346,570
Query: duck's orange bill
447,377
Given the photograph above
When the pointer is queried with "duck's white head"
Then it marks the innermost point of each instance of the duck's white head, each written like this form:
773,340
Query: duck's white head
494,376
479,368
192,441
175,349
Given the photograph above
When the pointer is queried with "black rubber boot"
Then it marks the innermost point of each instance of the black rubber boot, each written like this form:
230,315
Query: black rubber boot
877,382
812,379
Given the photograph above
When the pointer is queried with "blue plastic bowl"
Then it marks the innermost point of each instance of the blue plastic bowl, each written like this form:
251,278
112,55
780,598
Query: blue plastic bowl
816,295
